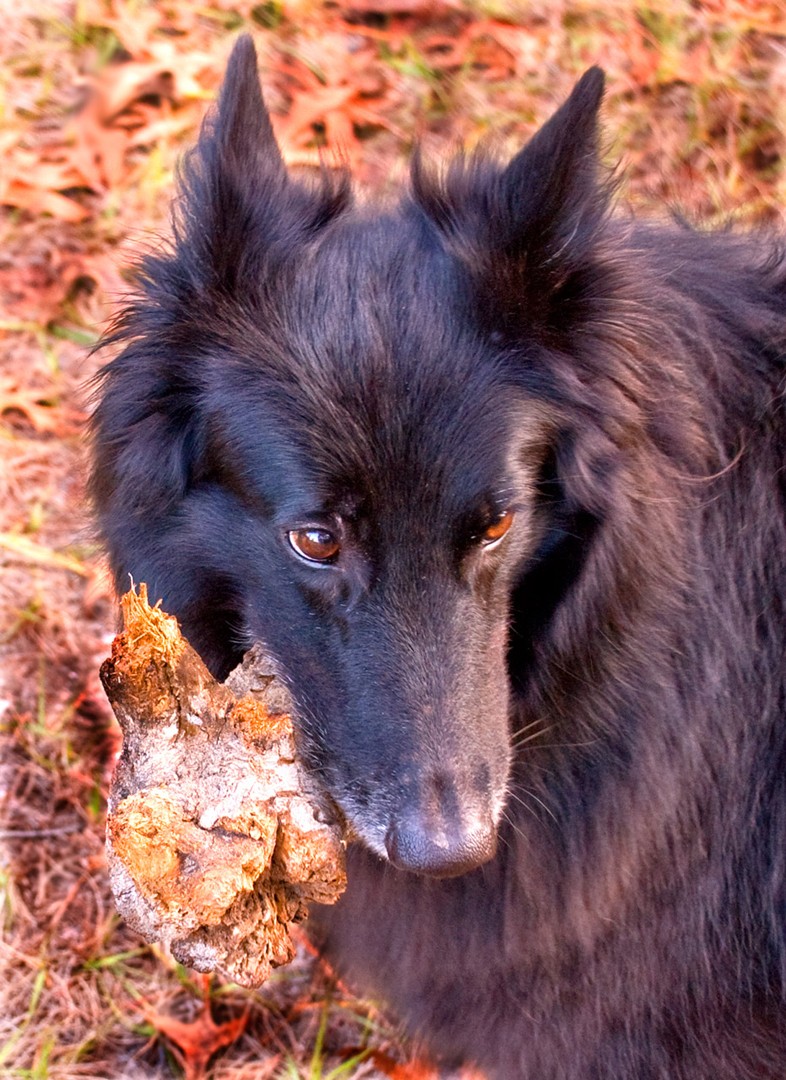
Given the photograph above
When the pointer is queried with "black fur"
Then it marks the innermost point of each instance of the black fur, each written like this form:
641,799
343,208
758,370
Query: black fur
604,690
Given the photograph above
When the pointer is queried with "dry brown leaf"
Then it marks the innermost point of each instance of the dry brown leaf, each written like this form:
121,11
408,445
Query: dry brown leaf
162,124
34,285
309,109
340,104
92,150
38,200
33,404
96,150
54,171
123,84
195,1042
408,1070
34,182
417,1070
487,43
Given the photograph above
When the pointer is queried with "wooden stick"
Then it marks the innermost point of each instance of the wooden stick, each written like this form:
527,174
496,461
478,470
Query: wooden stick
217,838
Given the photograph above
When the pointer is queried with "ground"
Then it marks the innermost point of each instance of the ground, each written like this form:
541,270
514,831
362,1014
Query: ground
97,100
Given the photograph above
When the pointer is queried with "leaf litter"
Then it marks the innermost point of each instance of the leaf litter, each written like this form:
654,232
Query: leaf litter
97,101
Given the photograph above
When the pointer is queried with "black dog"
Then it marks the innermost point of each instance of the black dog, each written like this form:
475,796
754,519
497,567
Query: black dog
500,481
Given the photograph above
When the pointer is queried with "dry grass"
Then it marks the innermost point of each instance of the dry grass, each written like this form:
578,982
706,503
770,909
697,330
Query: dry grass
97,99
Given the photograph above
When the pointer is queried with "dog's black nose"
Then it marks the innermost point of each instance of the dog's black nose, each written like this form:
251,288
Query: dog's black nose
445,853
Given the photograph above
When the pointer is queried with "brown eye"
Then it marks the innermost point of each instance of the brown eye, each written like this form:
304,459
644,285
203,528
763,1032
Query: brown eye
497,530
314,545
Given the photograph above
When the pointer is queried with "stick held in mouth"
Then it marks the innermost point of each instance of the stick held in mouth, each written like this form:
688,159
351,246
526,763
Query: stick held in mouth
217,837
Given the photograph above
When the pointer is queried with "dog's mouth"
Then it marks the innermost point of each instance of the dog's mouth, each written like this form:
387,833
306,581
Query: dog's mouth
426,811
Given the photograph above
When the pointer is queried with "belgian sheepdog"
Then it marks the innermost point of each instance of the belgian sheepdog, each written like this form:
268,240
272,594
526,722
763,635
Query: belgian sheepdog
498,477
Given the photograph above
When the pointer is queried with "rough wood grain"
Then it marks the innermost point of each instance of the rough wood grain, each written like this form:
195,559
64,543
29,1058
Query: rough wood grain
217,838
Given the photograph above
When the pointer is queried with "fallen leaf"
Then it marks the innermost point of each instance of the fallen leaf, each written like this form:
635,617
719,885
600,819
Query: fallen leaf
40,413
311,108
162,124
40,201
123,84
34,284
34,182
408,1070
194,1042
97,150
341,103
417,1069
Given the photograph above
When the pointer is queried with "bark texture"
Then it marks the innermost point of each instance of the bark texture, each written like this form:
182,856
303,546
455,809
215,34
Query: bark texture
217,839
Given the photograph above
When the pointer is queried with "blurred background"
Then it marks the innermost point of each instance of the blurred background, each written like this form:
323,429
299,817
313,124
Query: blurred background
98,98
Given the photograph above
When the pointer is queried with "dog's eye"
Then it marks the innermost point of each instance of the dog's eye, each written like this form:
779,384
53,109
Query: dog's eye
498,529
314,545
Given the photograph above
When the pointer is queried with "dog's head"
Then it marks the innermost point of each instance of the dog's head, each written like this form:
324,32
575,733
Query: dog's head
335,431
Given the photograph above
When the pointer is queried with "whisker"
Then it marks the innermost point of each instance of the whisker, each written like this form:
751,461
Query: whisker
532,795
516,828
519,742
527,727
568,745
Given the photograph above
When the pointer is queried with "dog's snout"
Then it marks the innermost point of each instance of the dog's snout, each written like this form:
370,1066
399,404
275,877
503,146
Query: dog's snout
441,834
413,845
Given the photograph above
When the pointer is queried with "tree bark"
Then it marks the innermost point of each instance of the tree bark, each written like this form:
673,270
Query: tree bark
217,838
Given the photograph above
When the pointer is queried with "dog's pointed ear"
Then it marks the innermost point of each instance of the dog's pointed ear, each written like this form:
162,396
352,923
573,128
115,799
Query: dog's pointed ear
232,181
550,188
241,134
238,201
524,230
